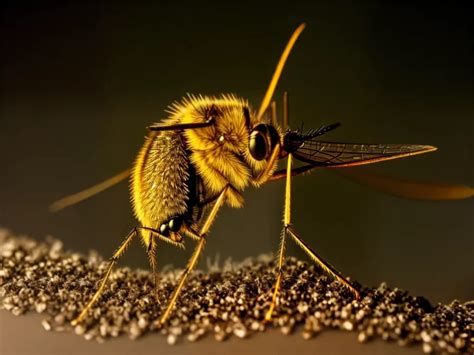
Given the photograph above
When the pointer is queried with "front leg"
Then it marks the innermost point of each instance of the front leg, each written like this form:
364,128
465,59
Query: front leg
281,174
288,229
281,254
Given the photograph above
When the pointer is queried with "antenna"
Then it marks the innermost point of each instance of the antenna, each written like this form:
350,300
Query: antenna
278,70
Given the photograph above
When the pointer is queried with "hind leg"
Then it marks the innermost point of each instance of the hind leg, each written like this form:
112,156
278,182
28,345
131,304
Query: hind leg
118,253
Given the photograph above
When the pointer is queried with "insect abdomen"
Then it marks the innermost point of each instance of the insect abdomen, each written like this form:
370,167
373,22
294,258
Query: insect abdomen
160,177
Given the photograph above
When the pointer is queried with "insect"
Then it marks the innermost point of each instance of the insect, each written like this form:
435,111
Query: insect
209,150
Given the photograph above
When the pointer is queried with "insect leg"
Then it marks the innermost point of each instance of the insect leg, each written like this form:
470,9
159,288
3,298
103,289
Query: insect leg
180,126
274,118
281,174
157,234
152,260
286,117
151,251
268,315
112,263
125,244
289,229
286,222
194,258
89,192
321,262
192,233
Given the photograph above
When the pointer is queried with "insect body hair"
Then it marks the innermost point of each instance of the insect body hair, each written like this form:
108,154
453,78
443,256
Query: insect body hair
159,181
220,152
178,170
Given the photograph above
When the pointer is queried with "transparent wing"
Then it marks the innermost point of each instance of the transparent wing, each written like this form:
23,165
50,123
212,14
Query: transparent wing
339,155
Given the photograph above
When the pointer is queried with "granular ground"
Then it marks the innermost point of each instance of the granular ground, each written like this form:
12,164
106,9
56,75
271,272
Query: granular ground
222,302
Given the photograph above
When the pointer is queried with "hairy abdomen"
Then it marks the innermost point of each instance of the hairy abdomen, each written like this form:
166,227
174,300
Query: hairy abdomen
159,185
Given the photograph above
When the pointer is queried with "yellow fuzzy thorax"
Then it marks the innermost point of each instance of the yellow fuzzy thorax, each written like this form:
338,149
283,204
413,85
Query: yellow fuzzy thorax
220,152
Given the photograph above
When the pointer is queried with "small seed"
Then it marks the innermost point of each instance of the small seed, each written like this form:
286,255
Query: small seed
171,339
46,324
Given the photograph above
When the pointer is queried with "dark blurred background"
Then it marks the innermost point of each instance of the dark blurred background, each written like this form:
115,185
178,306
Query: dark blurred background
80,81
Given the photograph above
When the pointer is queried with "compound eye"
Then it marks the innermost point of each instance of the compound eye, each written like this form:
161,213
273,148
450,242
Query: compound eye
175,224
258,145
164,230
